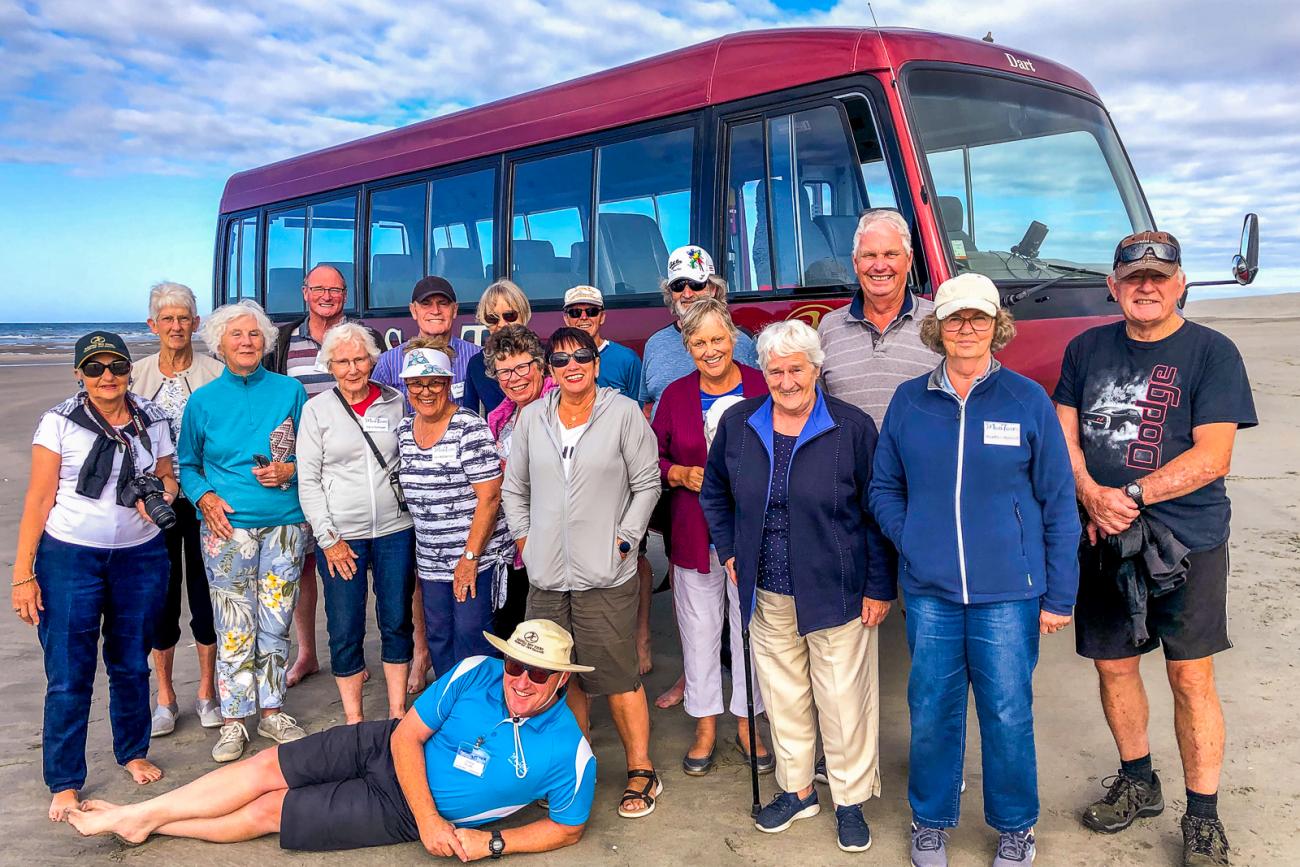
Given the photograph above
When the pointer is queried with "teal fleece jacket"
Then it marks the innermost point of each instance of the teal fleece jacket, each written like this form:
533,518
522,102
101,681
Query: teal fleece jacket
228,421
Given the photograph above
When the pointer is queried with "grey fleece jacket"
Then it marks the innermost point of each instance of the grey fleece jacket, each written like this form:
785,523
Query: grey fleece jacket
573,524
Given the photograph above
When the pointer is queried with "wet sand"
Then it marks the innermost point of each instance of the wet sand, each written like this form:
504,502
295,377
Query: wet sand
707,820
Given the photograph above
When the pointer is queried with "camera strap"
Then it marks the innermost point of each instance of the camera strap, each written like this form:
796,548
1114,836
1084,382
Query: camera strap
98,467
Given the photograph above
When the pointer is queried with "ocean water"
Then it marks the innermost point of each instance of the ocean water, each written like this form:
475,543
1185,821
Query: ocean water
64,334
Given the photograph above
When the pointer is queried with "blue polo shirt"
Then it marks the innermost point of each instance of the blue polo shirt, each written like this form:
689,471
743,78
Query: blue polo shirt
550,759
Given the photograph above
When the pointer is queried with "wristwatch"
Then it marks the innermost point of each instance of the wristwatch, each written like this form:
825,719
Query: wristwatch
470,555
497,845
1134,491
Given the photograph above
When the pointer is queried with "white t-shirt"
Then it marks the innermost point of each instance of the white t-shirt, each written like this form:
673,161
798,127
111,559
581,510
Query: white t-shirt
569,437
100,523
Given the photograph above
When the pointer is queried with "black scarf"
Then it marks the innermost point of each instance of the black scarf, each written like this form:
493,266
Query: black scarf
98,468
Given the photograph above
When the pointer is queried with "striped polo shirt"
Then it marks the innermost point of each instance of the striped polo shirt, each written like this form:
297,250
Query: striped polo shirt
863,365
300,362
439,486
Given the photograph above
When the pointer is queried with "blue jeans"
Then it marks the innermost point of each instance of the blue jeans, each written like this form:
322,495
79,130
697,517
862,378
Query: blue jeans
454,630
86,590
994,649
392,560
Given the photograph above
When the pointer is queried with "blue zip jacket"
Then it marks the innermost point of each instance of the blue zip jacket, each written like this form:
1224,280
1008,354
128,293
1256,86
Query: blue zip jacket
225,423
978,496
841,555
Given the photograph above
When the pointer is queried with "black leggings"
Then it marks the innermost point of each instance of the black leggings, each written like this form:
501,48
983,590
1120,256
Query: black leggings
186,566
511,614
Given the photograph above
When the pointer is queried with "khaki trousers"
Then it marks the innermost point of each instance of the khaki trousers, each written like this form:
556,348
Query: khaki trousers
829,677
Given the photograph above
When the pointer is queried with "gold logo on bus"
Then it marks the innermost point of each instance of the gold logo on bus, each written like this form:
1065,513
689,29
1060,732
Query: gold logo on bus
811,313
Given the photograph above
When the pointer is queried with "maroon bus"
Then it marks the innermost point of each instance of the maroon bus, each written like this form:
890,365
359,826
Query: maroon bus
763,147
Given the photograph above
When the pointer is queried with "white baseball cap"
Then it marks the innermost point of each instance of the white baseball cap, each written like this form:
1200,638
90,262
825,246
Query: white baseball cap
425,362
967,291
584,295
689,263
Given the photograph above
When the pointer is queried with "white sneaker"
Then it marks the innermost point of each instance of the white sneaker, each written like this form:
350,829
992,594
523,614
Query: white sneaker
230,745
164,720
209,712
281,728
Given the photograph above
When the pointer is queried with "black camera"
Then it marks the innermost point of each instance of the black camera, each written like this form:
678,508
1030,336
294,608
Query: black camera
148,489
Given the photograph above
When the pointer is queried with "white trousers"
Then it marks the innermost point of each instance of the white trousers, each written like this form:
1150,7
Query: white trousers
700,600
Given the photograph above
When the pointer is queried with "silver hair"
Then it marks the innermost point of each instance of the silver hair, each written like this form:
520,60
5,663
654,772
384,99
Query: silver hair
789,337
166,294
215,325
890,218
694,317
347,332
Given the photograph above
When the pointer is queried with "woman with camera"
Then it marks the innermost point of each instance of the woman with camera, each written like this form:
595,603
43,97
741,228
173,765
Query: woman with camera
347,467
236,459
91,558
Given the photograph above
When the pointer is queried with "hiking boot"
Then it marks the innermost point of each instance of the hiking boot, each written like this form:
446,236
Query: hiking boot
1015,848
786,809
929,847
852,833
1126,800
281,728
1204,843
230,745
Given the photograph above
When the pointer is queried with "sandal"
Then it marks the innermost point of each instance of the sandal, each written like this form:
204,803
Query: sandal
654,787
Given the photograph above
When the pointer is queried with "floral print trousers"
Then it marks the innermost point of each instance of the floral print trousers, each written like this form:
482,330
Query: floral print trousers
253,581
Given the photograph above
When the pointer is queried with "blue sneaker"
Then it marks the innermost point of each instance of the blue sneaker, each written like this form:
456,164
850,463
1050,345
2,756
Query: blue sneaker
819,772
852,832
1013,849
929,847
786,809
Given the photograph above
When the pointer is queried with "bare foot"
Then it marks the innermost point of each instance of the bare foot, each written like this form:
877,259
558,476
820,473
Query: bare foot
143,771
301,670
61,803
672,696
92,805
365,675
115,821
644,658
416,681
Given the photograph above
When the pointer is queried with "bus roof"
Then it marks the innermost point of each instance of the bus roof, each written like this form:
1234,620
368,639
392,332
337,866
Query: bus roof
719,71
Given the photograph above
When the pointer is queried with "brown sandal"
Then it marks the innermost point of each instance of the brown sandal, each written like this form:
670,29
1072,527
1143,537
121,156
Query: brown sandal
653,788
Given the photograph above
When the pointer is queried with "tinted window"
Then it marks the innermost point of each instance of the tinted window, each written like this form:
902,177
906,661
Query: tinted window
871,155
644,209
248,257
332,240
397,232
231,286
286,237
746,167
460,232
552,201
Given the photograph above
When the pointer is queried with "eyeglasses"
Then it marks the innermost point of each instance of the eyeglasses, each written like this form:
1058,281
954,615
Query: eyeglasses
505,374
580,312
326,290
979,323
508,316
679,286
515,668
95,369
1138,250
436,385
562,359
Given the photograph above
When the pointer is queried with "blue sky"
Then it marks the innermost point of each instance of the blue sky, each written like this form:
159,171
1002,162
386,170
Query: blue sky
121,119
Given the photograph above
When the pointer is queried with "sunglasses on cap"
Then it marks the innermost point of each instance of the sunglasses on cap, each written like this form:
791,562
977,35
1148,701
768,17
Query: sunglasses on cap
678,286
579,311
1139,250
562,359
515,668
508,316
95,369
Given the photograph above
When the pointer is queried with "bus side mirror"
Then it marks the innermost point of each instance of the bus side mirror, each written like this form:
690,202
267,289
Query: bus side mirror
1245,265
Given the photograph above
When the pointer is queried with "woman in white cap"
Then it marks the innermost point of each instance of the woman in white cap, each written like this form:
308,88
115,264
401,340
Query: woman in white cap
451,475
982,580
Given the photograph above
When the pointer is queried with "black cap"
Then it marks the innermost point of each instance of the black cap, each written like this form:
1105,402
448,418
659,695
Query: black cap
432,286
95,342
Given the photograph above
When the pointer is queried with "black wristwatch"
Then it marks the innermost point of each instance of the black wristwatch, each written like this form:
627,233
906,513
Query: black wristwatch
1134,491
497,845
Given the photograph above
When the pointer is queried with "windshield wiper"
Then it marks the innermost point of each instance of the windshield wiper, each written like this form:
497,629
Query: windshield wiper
1068,269
1016,297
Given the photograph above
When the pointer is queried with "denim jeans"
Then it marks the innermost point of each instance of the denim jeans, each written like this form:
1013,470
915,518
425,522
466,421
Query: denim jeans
86,590
993,648
391,559
454,630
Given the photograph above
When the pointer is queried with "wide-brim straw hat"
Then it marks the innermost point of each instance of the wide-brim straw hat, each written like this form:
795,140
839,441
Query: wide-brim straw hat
539,644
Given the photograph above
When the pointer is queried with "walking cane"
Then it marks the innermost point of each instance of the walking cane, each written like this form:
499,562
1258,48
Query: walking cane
753,729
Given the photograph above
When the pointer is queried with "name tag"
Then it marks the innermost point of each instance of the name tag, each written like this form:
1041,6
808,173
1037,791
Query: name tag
471,759
457,390
375,425
443,454
1001,433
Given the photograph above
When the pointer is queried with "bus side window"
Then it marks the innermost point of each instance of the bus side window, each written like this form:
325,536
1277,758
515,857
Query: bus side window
397,231
241,258
550,211
332,238
461,232
286,247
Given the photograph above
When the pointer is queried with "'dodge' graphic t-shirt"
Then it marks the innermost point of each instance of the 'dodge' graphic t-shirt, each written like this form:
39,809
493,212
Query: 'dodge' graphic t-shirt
1138,403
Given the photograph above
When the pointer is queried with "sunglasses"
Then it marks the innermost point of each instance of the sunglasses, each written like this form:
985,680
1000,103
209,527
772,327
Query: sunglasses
580,312
1139,250
95,369
562,359
508,316
514,668
679,286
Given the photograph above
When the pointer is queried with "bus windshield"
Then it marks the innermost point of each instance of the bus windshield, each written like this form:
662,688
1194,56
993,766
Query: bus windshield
1032,183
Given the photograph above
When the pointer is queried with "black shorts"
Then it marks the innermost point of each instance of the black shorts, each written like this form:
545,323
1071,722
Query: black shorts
343,791
1192,621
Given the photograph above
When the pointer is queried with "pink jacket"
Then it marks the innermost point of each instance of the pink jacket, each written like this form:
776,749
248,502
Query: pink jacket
498,417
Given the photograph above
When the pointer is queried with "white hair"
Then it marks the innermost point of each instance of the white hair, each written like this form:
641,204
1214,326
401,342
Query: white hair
789,337
890,218
167,294
215,325
348,332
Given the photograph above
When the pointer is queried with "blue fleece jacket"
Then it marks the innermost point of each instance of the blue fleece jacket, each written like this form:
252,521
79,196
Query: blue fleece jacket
225,423
978,496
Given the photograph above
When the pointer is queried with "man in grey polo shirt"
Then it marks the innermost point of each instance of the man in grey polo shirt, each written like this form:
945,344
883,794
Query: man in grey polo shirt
873,344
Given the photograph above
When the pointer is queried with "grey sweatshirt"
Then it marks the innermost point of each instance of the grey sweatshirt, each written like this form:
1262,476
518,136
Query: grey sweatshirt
573,524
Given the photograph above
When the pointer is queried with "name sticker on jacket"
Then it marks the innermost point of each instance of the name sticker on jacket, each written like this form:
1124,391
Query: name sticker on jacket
1001,433
373,424
457,390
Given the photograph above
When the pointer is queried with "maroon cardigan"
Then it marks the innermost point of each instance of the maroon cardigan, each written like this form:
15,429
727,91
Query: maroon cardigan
679,426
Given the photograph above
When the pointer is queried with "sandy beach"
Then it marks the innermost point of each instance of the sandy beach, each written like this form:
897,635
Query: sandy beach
706,821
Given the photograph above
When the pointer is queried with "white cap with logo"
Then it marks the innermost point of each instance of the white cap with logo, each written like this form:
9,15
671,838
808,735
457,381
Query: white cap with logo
584,295
689,263
967,291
